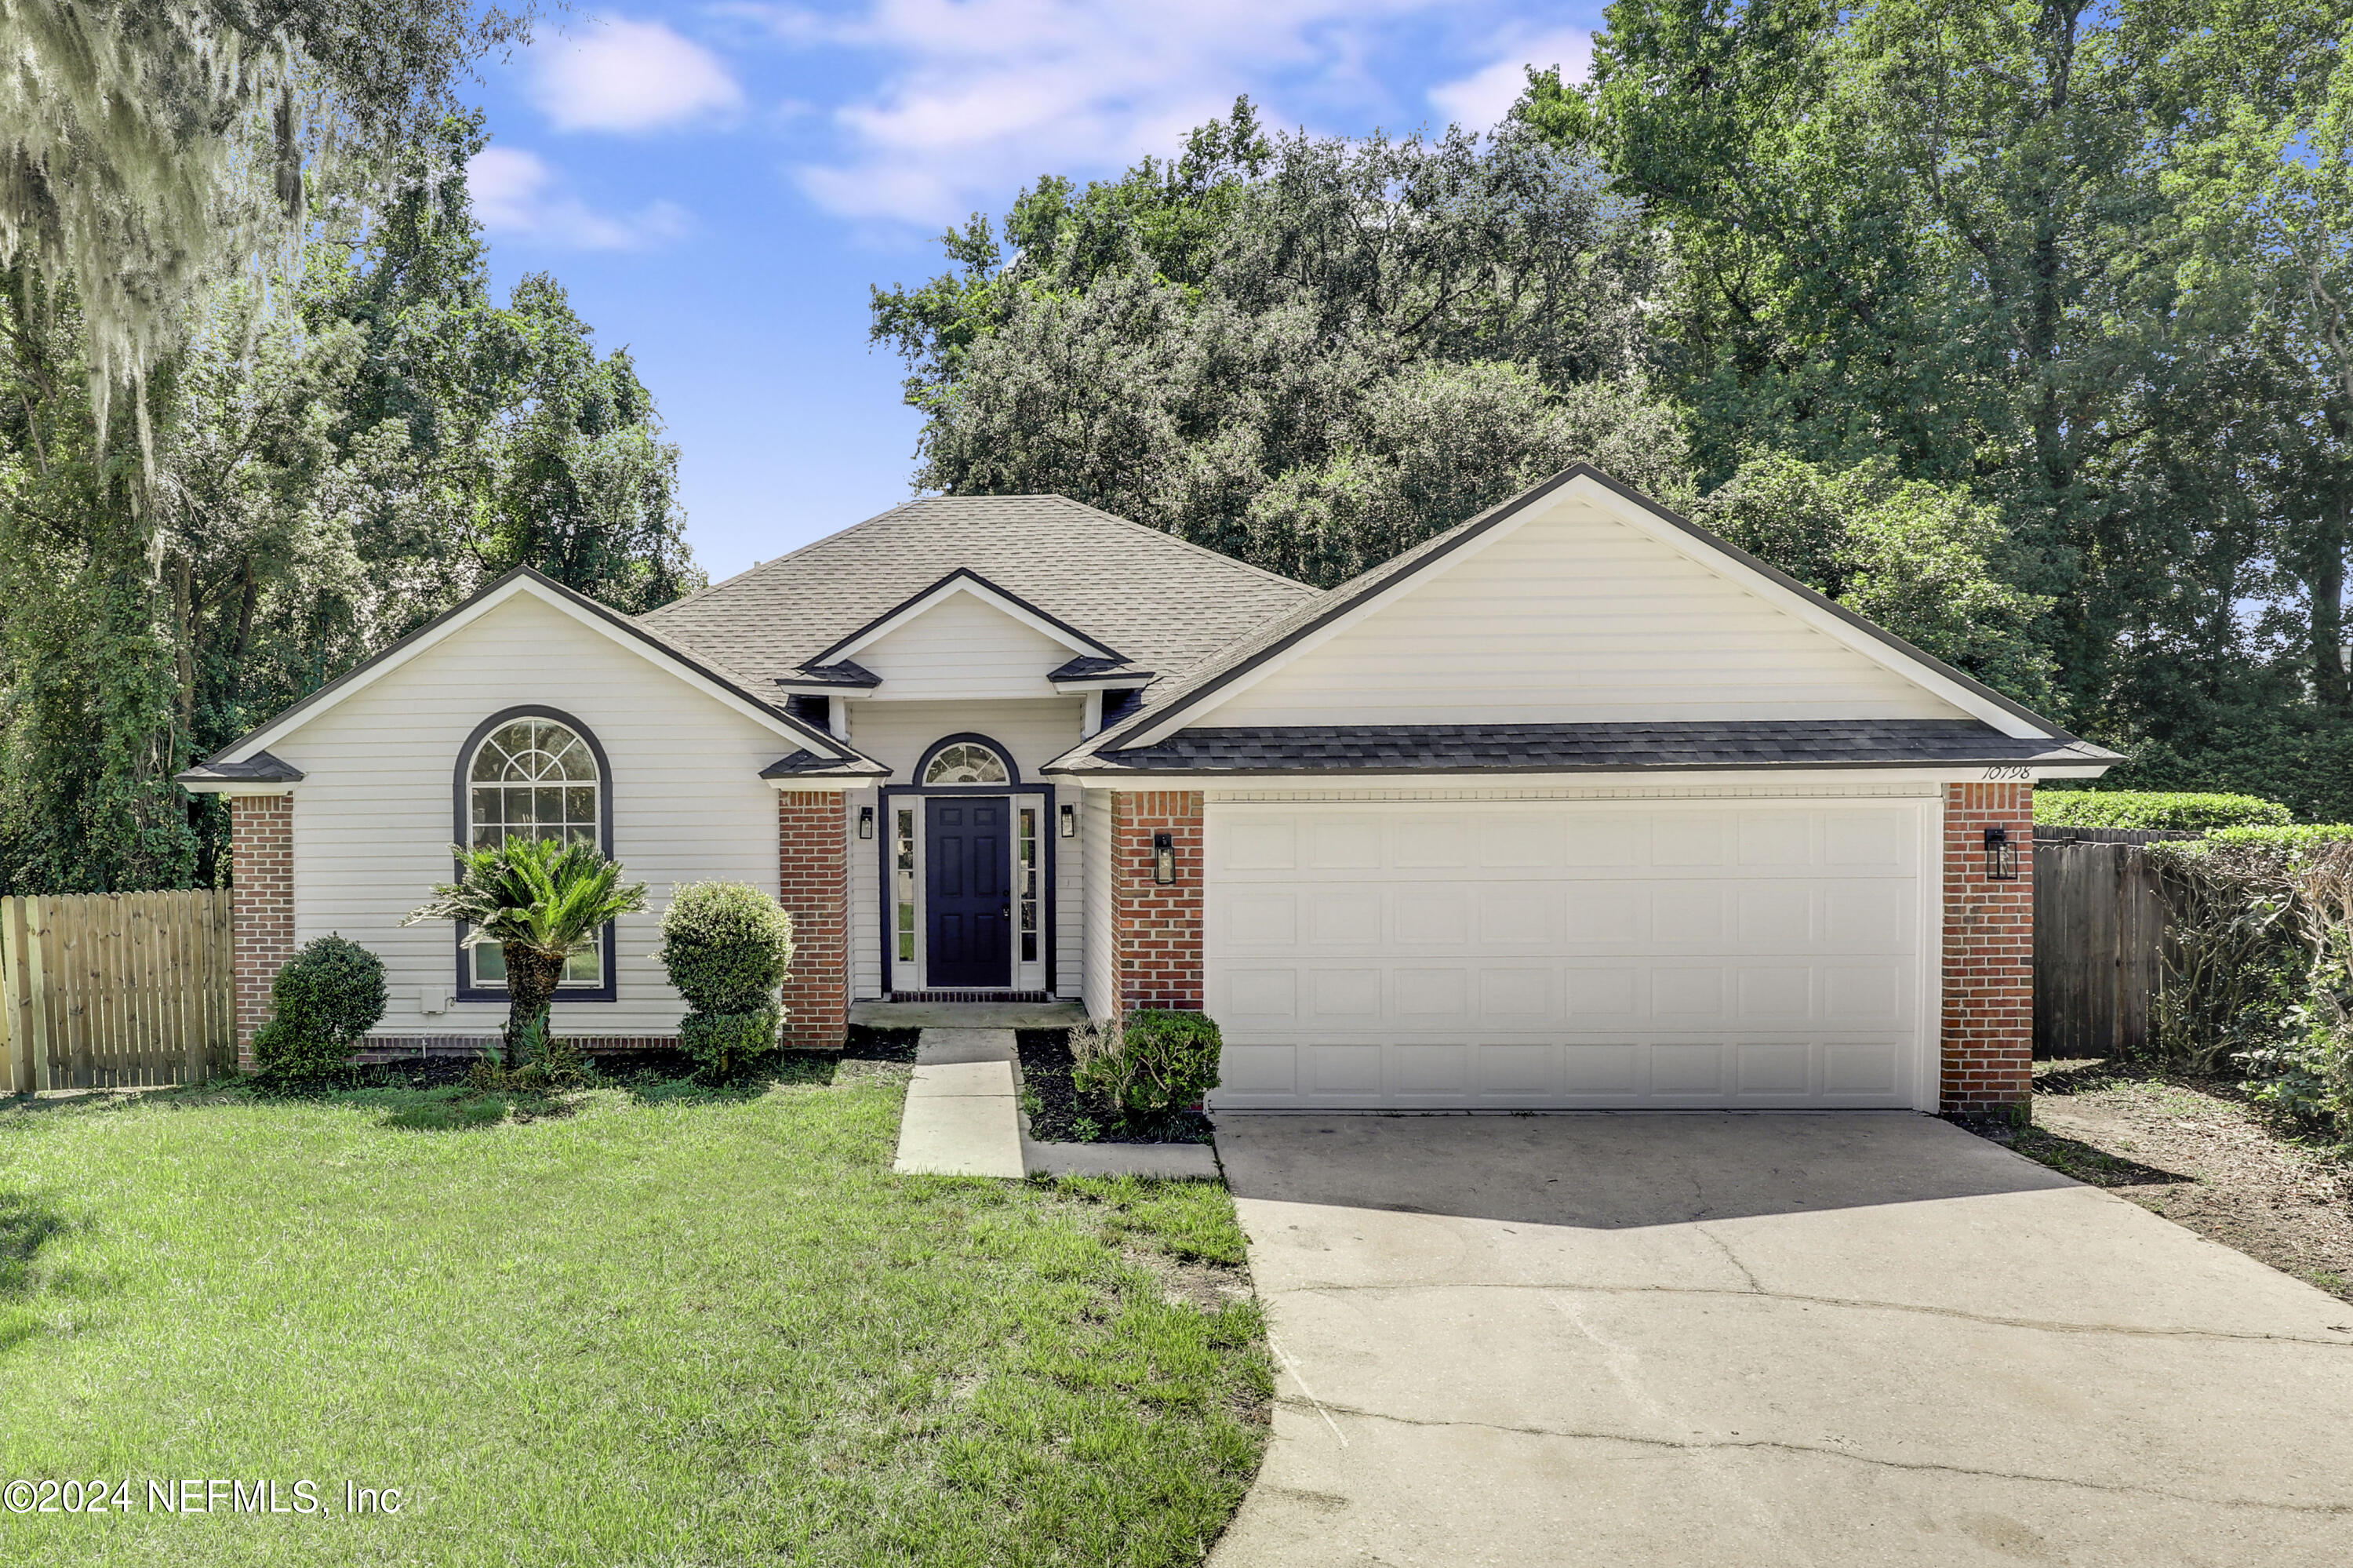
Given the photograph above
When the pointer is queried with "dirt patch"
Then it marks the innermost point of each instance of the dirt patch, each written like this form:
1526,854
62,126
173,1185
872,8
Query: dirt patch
2196,1151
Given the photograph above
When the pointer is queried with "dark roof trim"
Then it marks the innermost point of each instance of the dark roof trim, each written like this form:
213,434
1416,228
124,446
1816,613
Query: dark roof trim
1347,750
801,764
968,574
260,768
609,617
1378,581
840,673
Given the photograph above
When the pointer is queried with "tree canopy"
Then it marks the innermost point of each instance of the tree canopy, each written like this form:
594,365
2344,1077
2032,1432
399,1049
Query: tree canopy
2024,329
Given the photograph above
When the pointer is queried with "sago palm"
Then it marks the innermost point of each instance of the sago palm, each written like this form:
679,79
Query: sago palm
539,901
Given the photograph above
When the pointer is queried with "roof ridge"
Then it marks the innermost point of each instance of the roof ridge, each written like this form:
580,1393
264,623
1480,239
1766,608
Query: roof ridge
758,566
1171,536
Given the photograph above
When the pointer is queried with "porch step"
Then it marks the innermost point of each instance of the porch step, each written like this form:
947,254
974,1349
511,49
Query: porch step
967,1014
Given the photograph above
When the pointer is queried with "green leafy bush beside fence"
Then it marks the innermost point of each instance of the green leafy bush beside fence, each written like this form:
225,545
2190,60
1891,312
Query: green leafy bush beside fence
324,1000
2256,967
2153,810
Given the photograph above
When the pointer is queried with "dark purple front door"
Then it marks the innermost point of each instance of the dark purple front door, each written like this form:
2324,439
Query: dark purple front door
967,893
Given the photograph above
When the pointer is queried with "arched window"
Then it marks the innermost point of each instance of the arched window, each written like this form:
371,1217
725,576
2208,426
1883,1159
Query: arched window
534,775
531,778
967,762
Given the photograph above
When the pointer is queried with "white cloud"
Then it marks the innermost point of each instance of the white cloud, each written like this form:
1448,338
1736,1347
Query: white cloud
516,193
1480,98
978,97
613,74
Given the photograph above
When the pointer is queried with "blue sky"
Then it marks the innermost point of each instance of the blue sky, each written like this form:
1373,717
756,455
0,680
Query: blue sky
718,185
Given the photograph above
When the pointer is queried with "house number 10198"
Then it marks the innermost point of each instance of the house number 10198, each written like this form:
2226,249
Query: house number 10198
2017,773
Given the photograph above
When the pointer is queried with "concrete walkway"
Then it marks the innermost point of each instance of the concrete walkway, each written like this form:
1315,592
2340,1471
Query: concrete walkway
962,1117
1827,1340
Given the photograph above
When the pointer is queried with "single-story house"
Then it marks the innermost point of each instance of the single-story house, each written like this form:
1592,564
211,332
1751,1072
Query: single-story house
1574,805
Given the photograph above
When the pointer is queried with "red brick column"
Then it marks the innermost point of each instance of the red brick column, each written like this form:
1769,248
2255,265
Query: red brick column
813,884
261,906
1988,1015
1155,929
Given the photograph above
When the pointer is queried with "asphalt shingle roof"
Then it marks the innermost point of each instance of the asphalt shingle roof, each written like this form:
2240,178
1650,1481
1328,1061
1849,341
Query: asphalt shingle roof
1557,747
1164,604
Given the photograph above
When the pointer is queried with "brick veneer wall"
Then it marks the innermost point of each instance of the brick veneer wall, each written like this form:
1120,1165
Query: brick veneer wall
1156,930
261,906
813,884
1988,1011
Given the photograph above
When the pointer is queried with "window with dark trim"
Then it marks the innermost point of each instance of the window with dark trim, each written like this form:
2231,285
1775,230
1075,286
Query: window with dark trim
534,773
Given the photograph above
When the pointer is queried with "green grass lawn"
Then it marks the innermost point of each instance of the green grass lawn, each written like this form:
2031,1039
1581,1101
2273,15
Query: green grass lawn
663,1326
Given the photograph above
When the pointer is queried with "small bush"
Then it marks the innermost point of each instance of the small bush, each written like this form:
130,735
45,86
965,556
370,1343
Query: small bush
1160,1062
719,1043
2309,1077
2153,810
322,1003
728,948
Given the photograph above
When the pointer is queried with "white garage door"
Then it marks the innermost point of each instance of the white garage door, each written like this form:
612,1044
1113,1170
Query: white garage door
1531,954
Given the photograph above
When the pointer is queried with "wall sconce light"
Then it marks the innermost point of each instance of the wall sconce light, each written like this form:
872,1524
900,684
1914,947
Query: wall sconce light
1164,858
1069,821
865,822
2001,856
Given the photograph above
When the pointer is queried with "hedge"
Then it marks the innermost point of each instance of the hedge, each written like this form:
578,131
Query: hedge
2153,810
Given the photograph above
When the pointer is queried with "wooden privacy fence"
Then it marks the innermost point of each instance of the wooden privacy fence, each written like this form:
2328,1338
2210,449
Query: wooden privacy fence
2098,921
114,990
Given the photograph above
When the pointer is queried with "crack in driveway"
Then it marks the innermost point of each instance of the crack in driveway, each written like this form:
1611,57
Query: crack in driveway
2044,1324
1722,1445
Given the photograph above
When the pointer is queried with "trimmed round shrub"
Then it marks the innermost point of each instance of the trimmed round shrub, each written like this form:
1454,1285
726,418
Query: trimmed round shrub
2154,811
1163,1061
719,1043
329,995
727,946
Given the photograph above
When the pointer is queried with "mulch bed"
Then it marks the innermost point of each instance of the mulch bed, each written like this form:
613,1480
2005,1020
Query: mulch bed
2198,1152
1059,1113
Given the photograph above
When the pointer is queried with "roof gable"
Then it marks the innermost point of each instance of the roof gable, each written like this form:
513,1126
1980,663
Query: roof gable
1702,630
1167,604
963,582
964,645
523,582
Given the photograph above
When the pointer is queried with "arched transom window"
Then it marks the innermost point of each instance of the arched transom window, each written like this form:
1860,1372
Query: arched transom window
533,778
967,762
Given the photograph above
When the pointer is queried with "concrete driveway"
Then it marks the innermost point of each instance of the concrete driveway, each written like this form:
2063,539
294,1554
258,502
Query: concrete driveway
1858,1338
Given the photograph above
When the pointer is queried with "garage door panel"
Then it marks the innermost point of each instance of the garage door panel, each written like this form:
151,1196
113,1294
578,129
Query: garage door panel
1605,954
1436,913
1508,996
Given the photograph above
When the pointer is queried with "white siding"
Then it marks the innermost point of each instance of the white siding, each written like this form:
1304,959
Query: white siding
897,734
372,819
961,648
1094,832
1576,617
866,895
